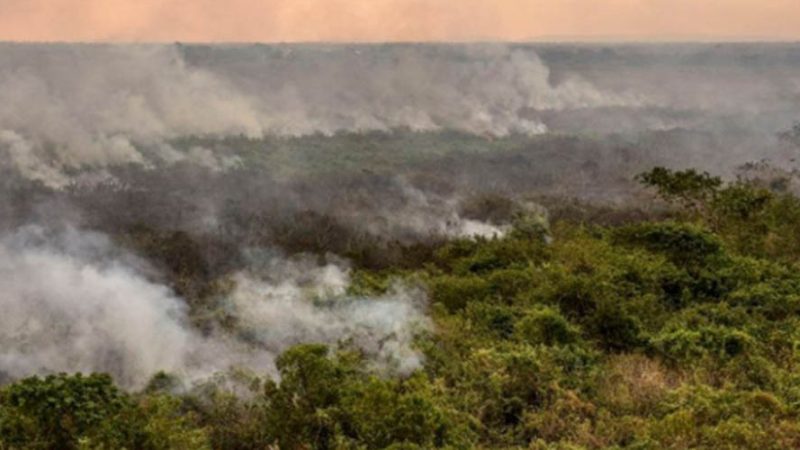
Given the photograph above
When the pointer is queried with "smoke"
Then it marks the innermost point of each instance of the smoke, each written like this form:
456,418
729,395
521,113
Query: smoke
21,156
69,107
72,302
65,310
477,89
410,211
87,107
286,302
358,150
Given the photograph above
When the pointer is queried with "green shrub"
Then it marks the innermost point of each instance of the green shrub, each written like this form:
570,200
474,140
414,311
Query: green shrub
456,292
685,245
615,329
59,410
688,187
546,326
498,321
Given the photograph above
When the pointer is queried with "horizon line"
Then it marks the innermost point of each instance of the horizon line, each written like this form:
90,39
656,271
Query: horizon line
534,40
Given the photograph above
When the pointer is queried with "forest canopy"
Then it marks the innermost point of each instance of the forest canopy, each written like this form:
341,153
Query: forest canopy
678,328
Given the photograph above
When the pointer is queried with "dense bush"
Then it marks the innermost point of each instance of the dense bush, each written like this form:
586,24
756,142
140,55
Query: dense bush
71,412
674,333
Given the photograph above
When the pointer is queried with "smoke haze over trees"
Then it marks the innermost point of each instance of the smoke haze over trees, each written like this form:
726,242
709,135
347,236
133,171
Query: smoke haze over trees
262,244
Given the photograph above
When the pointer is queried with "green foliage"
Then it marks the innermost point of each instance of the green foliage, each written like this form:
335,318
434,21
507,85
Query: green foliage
89,412
676,333
302,409
746,216
456,292
157,423
688,187
546,326
685,245
325,402
57,411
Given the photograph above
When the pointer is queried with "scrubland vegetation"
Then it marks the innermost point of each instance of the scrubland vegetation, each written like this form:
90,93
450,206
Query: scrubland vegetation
677,327
399,246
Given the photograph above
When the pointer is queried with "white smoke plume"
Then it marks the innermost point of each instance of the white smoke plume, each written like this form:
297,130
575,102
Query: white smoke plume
64,310
76,107
72,302
414,212
68,107
286,302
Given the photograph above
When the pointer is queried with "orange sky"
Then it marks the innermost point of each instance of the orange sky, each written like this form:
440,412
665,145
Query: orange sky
397,20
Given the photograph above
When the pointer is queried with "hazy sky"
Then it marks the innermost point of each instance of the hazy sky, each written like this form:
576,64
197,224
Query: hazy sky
397,20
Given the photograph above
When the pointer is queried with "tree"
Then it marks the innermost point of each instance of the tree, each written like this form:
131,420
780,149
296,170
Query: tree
59,410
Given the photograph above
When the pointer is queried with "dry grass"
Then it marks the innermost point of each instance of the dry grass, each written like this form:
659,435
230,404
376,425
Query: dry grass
634,383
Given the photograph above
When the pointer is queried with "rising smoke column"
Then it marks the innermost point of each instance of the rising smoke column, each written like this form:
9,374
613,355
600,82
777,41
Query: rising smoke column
72,302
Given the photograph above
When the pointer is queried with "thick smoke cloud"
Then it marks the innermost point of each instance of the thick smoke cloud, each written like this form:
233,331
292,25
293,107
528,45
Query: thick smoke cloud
67,107
62,311
74,107
72,302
